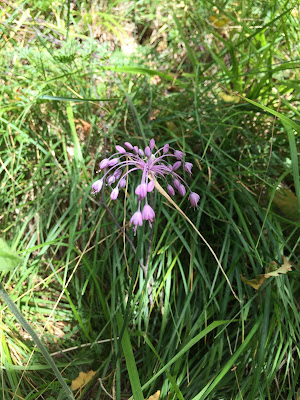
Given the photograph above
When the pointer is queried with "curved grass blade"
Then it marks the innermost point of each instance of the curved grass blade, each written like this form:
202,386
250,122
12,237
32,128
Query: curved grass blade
213,383
13,308
190,344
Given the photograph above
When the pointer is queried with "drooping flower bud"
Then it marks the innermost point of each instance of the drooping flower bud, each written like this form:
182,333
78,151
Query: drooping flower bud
117,174
194,198
178,154
114,194
170,190
150,186
141,190
104,163
176,165
141,153
148,213
136,150
182,190
176,184
128,145
113,162
122,183
120,149
111,179
137,219
188,167
97,186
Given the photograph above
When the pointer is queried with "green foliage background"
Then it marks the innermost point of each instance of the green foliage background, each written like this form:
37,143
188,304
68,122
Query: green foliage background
219,81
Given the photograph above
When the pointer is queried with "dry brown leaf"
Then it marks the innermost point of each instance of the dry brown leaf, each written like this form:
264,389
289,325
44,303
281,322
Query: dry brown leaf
260,279
82,379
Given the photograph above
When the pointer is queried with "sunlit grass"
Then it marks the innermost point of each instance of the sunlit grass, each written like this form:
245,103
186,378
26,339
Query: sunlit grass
221,84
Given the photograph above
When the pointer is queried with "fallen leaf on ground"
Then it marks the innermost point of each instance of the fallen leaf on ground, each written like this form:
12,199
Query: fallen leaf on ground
284,269
229,98
255,283
155,396
260,279
82,379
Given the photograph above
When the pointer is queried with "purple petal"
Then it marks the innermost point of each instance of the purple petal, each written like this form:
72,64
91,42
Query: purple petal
117,174
147,152
122,183
111,179
194,198
128,145
170,190
182,190
120,149
141,190
113,162
104,163
166,148
114,194
176,165
178,154
188,167
150,186
148,213
152,144
97,186
176,184
137,219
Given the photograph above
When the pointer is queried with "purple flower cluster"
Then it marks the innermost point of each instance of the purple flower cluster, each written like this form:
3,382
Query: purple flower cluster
162,163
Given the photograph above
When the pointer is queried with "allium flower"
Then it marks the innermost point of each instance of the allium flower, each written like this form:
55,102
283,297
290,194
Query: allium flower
97,186
161,164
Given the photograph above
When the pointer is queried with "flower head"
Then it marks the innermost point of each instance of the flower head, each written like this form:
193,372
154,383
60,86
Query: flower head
194,198
148,213
136,220
162,164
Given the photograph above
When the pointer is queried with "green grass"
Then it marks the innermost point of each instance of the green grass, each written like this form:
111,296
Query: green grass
218,81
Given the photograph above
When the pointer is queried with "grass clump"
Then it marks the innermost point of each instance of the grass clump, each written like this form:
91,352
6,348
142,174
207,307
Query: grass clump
219,82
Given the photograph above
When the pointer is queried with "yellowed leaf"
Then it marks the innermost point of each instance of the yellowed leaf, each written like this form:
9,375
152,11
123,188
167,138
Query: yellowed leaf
287,203
260,279
229,98
255,283
218,21
284,269
82,379
295,14
155,396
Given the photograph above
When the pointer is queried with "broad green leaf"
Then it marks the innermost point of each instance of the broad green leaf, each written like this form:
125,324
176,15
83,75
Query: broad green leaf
8,258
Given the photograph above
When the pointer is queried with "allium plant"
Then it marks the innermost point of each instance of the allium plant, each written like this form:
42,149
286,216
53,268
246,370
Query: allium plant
163,163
